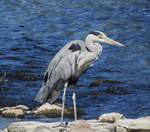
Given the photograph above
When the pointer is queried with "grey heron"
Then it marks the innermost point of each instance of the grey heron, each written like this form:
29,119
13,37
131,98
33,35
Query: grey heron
69,64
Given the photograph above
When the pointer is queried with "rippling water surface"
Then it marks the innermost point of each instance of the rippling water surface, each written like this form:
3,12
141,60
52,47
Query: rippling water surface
32,32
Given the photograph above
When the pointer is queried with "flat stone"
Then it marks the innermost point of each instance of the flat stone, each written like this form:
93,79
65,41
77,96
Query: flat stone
123,125
103,127
111,117
76,126
80,126
134,125
13,113
33,126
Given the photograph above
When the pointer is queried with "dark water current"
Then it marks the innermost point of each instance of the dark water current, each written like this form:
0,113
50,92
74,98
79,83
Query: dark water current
32,31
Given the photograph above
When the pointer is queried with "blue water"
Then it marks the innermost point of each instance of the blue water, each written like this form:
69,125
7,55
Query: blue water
32,32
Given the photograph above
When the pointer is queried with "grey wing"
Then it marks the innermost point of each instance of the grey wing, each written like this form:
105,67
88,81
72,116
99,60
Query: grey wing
60,69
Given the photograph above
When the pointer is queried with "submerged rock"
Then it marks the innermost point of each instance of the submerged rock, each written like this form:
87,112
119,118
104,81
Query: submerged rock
111,117
101,81
96,83
117,90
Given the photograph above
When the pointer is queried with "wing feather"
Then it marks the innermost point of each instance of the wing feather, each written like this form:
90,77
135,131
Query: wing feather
60,69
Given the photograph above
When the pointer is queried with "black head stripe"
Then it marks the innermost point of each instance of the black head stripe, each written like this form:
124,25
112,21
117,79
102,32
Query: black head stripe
75,47
94,33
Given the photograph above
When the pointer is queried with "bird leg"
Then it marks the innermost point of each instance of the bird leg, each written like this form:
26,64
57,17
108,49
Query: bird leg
74,104
63,102
63,107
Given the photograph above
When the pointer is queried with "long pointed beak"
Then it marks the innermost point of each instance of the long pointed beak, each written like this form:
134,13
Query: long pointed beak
111,41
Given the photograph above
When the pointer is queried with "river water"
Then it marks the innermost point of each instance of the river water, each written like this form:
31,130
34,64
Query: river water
33,31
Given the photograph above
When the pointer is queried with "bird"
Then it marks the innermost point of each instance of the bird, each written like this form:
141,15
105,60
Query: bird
66,67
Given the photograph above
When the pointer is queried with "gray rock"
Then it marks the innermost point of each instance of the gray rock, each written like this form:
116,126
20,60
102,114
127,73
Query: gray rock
111,117
134,125
120,125
80,126
121,129
33,126
104,127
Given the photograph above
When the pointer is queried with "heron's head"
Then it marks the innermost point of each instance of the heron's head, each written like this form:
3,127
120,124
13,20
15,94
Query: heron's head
97,36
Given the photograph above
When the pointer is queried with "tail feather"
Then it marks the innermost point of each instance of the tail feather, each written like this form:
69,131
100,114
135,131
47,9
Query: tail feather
42,95
45,95
54,95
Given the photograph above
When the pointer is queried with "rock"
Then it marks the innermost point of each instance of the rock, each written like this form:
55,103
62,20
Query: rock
4,108
122,125
48,110
117,90
134,125
101,81
13,113
23,107
121,129
111,117
102,127
77,126
44,110
33,126
52,110
80,126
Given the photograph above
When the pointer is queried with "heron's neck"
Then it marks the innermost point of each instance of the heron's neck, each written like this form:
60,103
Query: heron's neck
89,40
92,45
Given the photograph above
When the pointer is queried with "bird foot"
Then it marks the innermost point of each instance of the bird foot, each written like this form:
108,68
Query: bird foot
64,125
